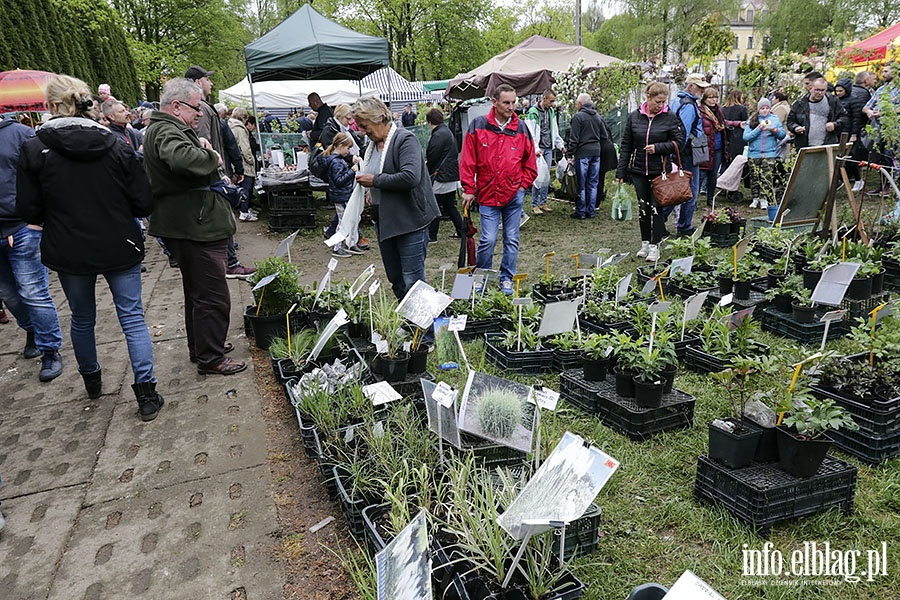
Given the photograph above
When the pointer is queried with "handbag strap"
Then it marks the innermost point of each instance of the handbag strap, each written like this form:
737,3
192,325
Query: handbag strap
678,157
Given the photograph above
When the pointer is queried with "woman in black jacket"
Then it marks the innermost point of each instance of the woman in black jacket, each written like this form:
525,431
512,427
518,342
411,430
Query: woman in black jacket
651,133
86,186
442,160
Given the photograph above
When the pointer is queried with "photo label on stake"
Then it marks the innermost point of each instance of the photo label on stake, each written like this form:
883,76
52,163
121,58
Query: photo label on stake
834,282
361,281
558,317
462,286
404,567
498,410
423,304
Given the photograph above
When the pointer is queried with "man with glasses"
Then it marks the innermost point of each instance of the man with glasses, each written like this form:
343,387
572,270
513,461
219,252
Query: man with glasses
818,118
195,225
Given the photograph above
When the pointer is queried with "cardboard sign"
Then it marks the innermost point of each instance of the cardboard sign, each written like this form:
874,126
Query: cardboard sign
739,316
649,286
834,282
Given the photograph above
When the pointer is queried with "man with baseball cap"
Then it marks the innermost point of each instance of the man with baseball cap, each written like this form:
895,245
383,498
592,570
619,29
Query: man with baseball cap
689,113
209,127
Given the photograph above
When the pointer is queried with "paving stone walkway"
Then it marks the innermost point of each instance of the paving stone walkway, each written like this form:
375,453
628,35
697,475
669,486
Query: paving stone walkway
102,506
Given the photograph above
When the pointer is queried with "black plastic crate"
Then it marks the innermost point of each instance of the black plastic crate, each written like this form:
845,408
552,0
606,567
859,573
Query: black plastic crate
877,418
697,360
566,359
862,308
411,387
756,298
726,240
371,514
638,422
784,325
582,535
476,329
535,362
766,253
326,466
352,509
486,453
284,202
681,346
762,494
576,390
281,222
871,449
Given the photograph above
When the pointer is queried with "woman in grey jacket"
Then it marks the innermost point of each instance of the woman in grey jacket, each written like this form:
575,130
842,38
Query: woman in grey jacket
400,190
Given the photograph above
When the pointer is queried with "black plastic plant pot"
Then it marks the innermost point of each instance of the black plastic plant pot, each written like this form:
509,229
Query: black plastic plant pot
782,303
418,359
773,278
624,384
595,369
721,228
267,328
800,457
742,290
803,313
767,449
733,449
878,282
860,288
650,394
735,226
726,284
394,369
668,376
811,278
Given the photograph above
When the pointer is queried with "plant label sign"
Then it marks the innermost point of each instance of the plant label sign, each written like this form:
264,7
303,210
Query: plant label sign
622,288
457,323
545,398
265,281
649,286
361,281
336,322
614,259
441,419
659,307
834,282
381,346
380,393
423,304
681,265
739,316
726,299
693,305
374,287
284,247
558,317
462,286
489,274
698,232
691,587
404,567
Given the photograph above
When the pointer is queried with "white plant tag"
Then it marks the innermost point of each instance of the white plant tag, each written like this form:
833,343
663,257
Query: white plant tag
546,398
381,393
378,430
457,323
444,395
381,346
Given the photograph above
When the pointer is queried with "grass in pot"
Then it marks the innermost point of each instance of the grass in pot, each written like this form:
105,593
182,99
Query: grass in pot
393,361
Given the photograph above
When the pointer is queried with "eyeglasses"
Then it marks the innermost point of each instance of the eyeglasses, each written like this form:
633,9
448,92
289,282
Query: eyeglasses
196,108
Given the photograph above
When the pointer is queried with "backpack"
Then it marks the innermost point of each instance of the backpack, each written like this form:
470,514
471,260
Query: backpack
317,165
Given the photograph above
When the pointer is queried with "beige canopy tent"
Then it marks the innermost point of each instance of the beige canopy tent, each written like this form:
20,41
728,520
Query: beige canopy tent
528,67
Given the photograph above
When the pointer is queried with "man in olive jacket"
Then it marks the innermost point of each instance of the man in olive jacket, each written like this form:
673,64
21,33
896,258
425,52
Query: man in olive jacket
195,224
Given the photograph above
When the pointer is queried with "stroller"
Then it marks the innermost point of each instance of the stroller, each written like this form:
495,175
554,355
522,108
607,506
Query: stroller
730,179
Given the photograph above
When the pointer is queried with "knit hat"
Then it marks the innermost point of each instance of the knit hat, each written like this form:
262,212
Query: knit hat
763,102
104,88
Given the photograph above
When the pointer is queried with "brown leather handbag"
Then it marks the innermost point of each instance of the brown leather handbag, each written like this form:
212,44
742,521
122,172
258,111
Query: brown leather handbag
672,188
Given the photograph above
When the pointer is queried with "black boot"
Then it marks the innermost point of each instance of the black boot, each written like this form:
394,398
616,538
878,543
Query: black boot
149,400
31,349
92,384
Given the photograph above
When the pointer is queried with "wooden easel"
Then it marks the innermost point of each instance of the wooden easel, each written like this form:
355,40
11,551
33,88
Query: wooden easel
839,175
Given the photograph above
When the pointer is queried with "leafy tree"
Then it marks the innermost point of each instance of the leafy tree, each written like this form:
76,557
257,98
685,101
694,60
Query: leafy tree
792,30
710,39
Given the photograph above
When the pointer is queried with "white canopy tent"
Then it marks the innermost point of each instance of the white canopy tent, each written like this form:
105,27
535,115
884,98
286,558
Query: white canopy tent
394,88
293,94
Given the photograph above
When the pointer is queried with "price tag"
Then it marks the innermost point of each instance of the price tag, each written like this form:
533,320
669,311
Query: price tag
444,395
381,346
457,323
407,346
545,398
332,264
374,287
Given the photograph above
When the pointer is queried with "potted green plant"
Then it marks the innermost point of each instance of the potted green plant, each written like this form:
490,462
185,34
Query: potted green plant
392,360
803,441
627,353
567,350
747,270
801,306
647,368
596,355
733,441
268,317
664,342
782,294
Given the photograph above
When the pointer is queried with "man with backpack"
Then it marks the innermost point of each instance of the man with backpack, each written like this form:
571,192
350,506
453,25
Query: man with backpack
689,113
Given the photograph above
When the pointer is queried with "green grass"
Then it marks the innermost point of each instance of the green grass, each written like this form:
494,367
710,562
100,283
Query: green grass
652,530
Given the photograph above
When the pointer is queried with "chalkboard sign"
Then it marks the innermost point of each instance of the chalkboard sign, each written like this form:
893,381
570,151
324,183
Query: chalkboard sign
808,184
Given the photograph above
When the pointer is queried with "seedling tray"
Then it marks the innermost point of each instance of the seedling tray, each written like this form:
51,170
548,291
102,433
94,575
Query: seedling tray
488,454
862,308
352,508
582,535
576,390
476,329
566,359
784,325
534,362
761,494
411,387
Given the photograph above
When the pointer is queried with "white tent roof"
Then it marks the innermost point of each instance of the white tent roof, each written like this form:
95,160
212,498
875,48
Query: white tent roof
291,94
393,87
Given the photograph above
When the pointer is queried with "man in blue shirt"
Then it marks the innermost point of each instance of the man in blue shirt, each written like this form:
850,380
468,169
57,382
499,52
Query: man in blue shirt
689,113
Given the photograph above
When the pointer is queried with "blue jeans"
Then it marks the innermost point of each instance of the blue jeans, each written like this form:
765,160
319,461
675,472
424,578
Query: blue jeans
539,195
247,186
490,226
404,260
686,214
709,178
25,288
125,286
587,170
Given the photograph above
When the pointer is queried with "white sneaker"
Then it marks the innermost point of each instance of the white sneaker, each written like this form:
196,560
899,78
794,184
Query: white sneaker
857,186
755,203
645,248
652,253
763,203
253,211
248,216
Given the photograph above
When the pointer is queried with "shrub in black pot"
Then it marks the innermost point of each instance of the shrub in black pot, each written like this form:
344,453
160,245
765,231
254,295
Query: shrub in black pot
268,317
802,437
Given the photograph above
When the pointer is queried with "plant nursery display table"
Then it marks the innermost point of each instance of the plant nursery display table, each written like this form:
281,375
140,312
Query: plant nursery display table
762,494
622,414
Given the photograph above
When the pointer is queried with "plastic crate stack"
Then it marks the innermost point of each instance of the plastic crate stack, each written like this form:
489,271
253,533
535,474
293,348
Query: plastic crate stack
878,438
291,210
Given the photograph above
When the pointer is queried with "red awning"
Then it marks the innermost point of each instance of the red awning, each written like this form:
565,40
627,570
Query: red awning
869,49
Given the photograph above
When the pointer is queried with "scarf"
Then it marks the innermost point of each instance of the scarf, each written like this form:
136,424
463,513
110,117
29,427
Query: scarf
713,117
384,150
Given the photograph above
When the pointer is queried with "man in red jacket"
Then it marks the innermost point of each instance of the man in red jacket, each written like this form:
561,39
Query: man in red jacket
497,166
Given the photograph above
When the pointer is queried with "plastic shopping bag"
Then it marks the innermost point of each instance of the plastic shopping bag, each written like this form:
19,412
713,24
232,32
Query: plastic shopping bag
543,174
561,167
621,205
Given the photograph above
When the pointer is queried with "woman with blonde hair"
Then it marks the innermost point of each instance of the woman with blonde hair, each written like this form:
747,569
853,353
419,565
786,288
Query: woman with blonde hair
87,187
651,133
